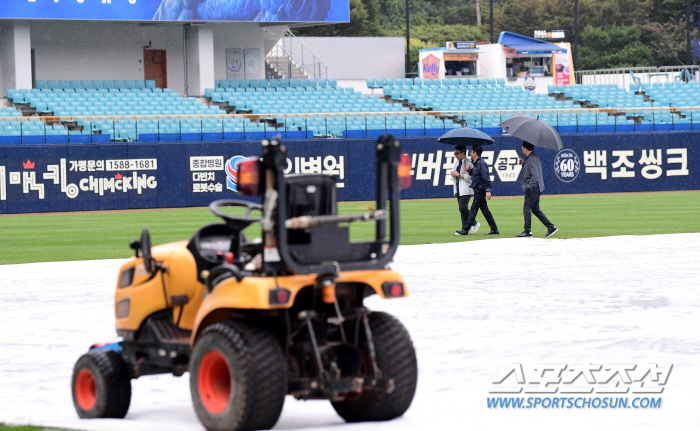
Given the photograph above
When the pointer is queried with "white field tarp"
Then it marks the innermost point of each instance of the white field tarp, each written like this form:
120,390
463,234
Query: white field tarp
475,308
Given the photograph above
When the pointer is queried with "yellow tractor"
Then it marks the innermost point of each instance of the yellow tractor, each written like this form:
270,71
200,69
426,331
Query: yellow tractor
253,321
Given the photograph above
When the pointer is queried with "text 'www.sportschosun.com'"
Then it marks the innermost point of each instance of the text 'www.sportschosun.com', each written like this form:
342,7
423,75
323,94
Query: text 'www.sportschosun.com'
573,403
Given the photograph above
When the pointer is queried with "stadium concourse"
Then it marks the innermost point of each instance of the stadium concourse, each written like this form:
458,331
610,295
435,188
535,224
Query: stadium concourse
612,300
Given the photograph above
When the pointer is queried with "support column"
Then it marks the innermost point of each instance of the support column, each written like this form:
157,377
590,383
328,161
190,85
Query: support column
199,43
16,56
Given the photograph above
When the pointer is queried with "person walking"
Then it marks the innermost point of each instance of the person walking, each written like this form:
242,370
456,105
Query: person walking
532,182
461,189
481,183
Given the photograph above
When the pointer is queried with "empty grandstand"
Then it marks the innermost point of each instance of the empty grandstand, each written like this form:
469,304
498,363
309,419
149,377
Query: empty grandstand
90,111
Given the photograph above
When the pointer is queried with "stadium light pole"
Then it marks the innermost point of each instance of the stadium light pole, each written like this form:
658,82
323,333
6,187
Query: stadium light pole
687,32
408,43
576,35
491,20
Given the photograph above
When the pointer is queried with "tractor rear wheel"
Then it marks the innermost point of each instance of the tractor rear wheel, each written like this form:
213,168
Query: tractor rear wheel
238,377
101,385
396,358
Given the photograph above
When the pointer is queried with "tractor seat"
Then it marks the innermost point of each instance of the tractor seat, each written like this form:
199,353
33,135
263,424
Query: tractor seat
309,195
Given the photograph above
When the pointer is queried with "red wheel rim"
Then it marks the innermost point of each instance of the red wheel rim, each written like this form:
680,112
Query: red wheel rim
85,389
214,381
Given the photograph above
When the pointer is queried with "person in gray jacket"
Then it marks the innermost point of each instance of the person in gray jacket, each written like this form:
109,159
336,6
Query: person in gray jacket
461,189
532,182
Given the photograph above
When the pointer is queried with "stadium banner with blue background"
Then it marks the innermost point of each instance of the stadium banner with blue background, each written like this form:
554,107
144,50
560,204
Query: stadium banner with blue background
78,177
178,10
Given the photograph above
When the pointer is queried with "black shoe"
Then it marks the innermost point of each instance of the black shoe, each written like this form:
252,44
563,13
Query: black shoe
493,232
551,231
525,234
462,232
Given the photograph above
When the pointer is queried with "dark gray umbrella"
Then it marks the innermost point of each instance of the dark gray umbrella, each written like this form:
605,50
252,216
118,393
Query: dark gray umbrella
465,136
534,131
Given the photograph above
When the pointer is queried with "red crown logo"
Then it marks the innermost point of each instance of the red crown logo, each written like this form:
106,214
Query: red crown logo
118,176
28,164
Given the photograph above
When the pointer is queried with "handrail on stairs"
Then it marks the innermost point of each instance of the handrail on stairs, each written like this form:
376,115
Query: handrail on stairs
289,54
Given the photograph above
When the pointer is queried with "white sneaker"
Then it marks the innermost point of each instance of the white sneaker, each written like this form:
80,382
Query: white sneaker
474,228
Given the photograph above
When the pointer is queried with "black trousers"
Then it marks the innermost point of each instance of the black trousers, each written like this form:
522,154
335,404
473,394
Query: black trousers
532,206
463,202
480,203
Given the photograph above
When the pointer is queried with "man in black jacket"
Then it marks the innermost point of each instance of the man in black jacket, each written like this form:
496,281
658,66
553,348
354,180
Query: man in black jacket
481,183
532,182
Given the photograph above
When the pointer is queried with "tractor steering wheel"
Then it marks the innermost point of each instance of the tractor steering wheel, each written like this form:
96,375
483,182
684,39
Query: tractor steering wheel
236,222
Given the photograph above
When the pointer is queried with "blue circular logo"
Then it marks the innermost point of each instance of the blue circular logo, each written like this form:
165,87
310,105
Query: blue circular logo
567,165
232,172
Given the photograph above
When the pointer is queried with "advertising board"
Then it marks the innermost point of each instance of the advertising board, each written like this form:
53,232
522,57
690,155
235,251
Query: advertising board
50,178
177,10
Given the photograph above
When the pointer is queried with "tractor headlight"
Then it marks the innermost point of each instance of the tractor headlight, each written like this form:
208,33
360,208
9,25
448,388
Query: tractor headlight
126,278
123,308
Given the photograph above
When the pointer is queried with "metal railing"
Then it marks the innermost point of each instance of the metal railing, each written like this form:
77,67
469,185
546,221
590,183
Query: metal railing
623,77
290,58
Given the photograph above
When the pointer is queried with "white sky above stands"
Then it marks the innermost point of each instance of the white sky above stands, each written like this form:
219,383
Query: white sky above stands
630,299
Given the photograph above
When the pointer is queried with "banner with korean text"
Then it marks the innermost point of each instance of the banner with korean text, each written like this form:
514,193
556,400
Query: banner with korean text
80,177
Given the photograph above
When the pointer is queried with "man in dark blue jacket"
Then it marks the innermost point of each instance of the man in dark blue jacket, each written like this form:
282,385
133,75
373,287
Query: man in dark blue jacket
532,182
481,183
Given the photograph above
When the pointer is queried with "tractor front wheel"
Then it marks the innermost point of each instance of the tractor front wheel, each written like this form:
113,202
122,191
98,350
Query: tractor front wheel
238,377
101,385
396,359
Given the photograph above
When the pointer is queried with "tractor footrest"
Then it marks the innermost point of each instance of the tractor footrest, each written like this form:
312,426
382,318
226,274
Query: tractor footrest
168,332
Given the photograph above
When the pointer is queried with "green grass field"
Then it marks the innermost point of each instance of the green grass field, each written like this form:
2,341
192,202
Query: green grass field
104,235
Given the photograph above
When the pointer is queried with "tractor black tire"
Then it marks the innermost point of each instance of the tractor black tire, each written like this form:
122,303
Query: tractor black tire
238,377
396,359
101,385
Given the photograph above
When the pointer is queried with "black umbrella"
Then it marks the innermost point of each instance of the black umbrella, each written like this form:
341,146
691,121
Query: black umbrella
465,136
534,131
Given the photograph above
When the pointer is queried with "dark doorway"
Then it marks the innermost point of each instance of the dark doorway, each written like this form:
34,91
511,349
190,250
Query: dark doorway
155,67
33,53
